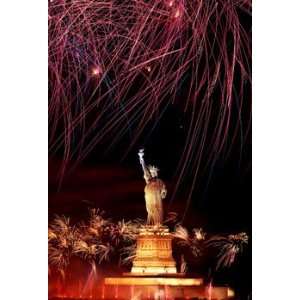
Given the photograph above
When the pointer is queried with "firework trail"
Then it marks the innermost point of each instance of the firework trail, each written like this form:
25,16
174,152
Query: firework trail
199,234
91,279
97,223
125,231
171,218
128,231
183,265
182,235
128,254
209,291
114,67
61,238
228,247
193,242
87,251
89,254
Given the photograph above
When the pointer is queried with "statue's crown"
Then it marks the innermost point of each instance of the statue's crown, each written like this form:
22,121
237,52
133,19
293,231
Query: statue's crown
153,170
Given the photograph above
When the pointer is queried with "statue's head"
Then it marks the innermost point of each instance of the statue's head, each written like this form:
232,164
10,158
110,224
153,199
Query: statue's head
153,171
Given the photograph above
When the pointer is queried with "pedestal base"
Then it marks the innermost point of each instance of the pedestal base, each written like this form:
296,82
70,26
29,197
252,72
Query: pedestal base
163,288
154,252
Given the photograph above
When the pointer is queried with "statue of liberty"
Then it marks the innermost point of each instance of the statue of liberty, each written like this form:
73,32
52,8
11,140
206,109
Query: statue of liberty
155,191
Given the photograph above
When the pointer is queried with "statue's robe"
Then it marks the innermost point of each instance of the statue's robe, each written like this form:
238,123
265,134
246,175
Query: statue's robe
155,191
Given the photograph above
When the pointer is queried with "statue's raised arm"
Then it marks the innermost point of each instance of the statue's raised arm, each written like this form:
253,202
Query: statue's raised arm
147,174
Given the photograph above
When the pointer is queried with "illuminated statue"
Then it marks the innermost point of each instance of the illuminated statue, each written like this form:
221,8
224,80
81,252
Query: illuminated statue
155,191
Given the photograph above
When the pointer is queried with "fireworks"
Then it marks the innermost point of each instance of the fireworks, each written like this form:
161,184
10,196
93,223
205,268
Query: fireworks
87,251
193,243
61,238
94,241
199,234
228,247
99,239
115,65
182,235
129,230
96,224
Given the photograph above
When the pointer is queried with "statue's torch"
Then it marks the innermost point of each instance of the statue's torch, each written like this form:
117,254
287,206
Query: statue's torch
141,156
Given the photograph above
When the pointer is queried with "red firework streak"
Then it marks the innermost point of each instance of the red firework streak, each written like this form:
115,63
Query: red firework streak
115,65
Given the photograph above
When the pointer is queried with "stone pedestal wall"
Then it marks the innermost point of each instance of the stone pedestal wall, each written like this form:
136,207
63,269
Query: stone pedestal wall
154,252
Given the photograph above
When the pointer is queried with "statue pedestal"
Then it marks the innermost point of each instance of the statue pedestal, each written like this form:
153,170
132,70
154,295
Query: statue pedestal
154,252
153,275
